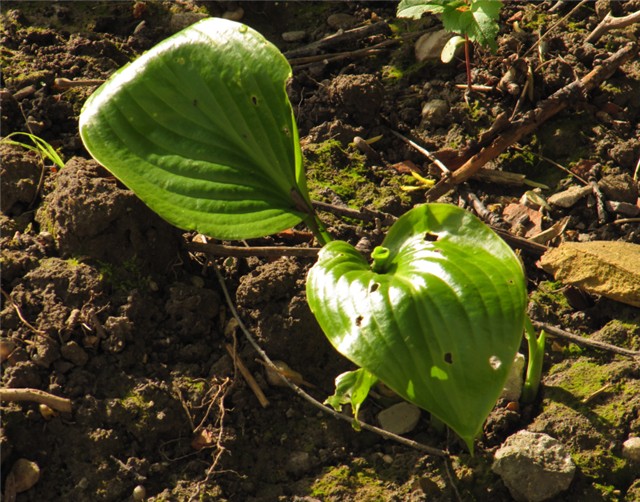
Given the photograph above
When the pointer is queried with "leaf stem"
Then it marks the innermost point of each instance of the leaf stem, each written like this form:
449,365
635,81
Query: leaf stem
467,61
534,364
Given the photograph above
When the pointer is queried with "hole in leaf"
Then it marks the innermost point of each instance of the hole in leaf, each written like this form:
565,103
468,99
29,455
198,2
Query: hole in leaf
448,358
254,100
495,362
430,237
359,320
374,287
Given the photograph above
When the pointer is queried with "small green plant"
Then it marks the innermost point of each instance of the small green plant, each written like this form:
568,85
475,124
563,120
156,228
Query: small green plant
40,146
475,20
201,129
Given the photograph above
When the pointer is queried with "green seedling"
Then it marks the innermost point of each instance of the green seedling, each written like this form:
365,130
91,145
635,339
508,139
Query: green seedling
201,129
40,146
474,20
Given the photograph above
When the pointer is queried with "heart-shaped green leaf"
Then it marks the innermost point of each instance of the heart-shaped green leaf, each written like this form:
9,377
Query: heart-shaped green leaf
438,316
201,129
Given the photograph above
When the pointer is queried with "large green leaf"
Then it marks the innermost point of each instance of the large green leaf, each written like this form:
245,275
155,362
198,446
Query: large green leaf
201,129
438,316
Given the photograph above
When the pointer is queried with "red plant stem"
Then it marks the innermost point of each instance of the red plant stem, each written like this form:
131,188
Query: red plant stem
467,61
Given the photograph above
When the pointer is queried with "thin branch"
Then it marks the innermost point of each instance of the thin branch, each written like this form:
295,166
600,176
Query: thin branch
581,340
338,39
518,129
381,432
612,23
364,215
264,402
445,170
241,251
37,331
37,396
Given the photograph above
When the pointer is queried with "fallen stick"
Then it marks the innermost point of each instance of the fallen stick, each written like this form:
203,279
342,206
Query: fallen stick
517,129
240,251
611,23
587,342
253,385
37,396
339,39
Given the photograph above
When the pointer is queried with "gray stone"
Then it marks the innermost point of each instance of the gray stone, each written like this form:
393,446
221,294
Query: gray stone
430,45
299,462
435,112
513,386
294,36
341,21
631,449
534,466
72,352
569,197
399,418
181,20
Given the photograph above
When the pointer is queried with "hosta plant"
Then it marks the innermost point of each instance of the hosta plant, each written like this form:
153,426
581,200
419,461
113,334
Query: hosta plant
201,129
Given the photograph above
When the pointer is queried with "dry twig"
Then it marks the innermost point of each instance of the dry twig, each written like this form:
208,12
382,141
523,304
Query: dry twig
580,340
531,121
37,396
264,402
612,23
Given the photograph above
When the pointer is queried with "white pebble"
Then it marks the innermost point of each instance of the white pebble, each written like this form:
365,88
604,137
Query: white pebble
631,449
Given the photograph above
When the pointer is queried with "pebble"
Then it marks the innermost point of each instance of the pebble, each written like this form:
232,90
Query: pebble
24,474
569,197
435,112
534,466
515,380
181,20
234,15
399,418
299,462
631,449
430,45
25,92
294,36
623,208
72,352
139,493
619,187
341,21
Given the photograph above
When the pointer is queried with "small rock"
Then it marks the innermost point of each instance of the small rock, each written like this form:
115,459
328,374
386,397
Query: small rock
234,15
430,45
399,418
435,112
622,208
619,187
341,21
631,449
72,352
181,20
24,474
294,36
569,197
534,466
139,493
513,386
299,462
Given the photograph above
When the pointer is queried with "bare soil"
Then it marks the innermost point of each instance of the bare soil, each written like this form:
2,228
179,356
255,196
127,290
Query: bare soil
103,304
